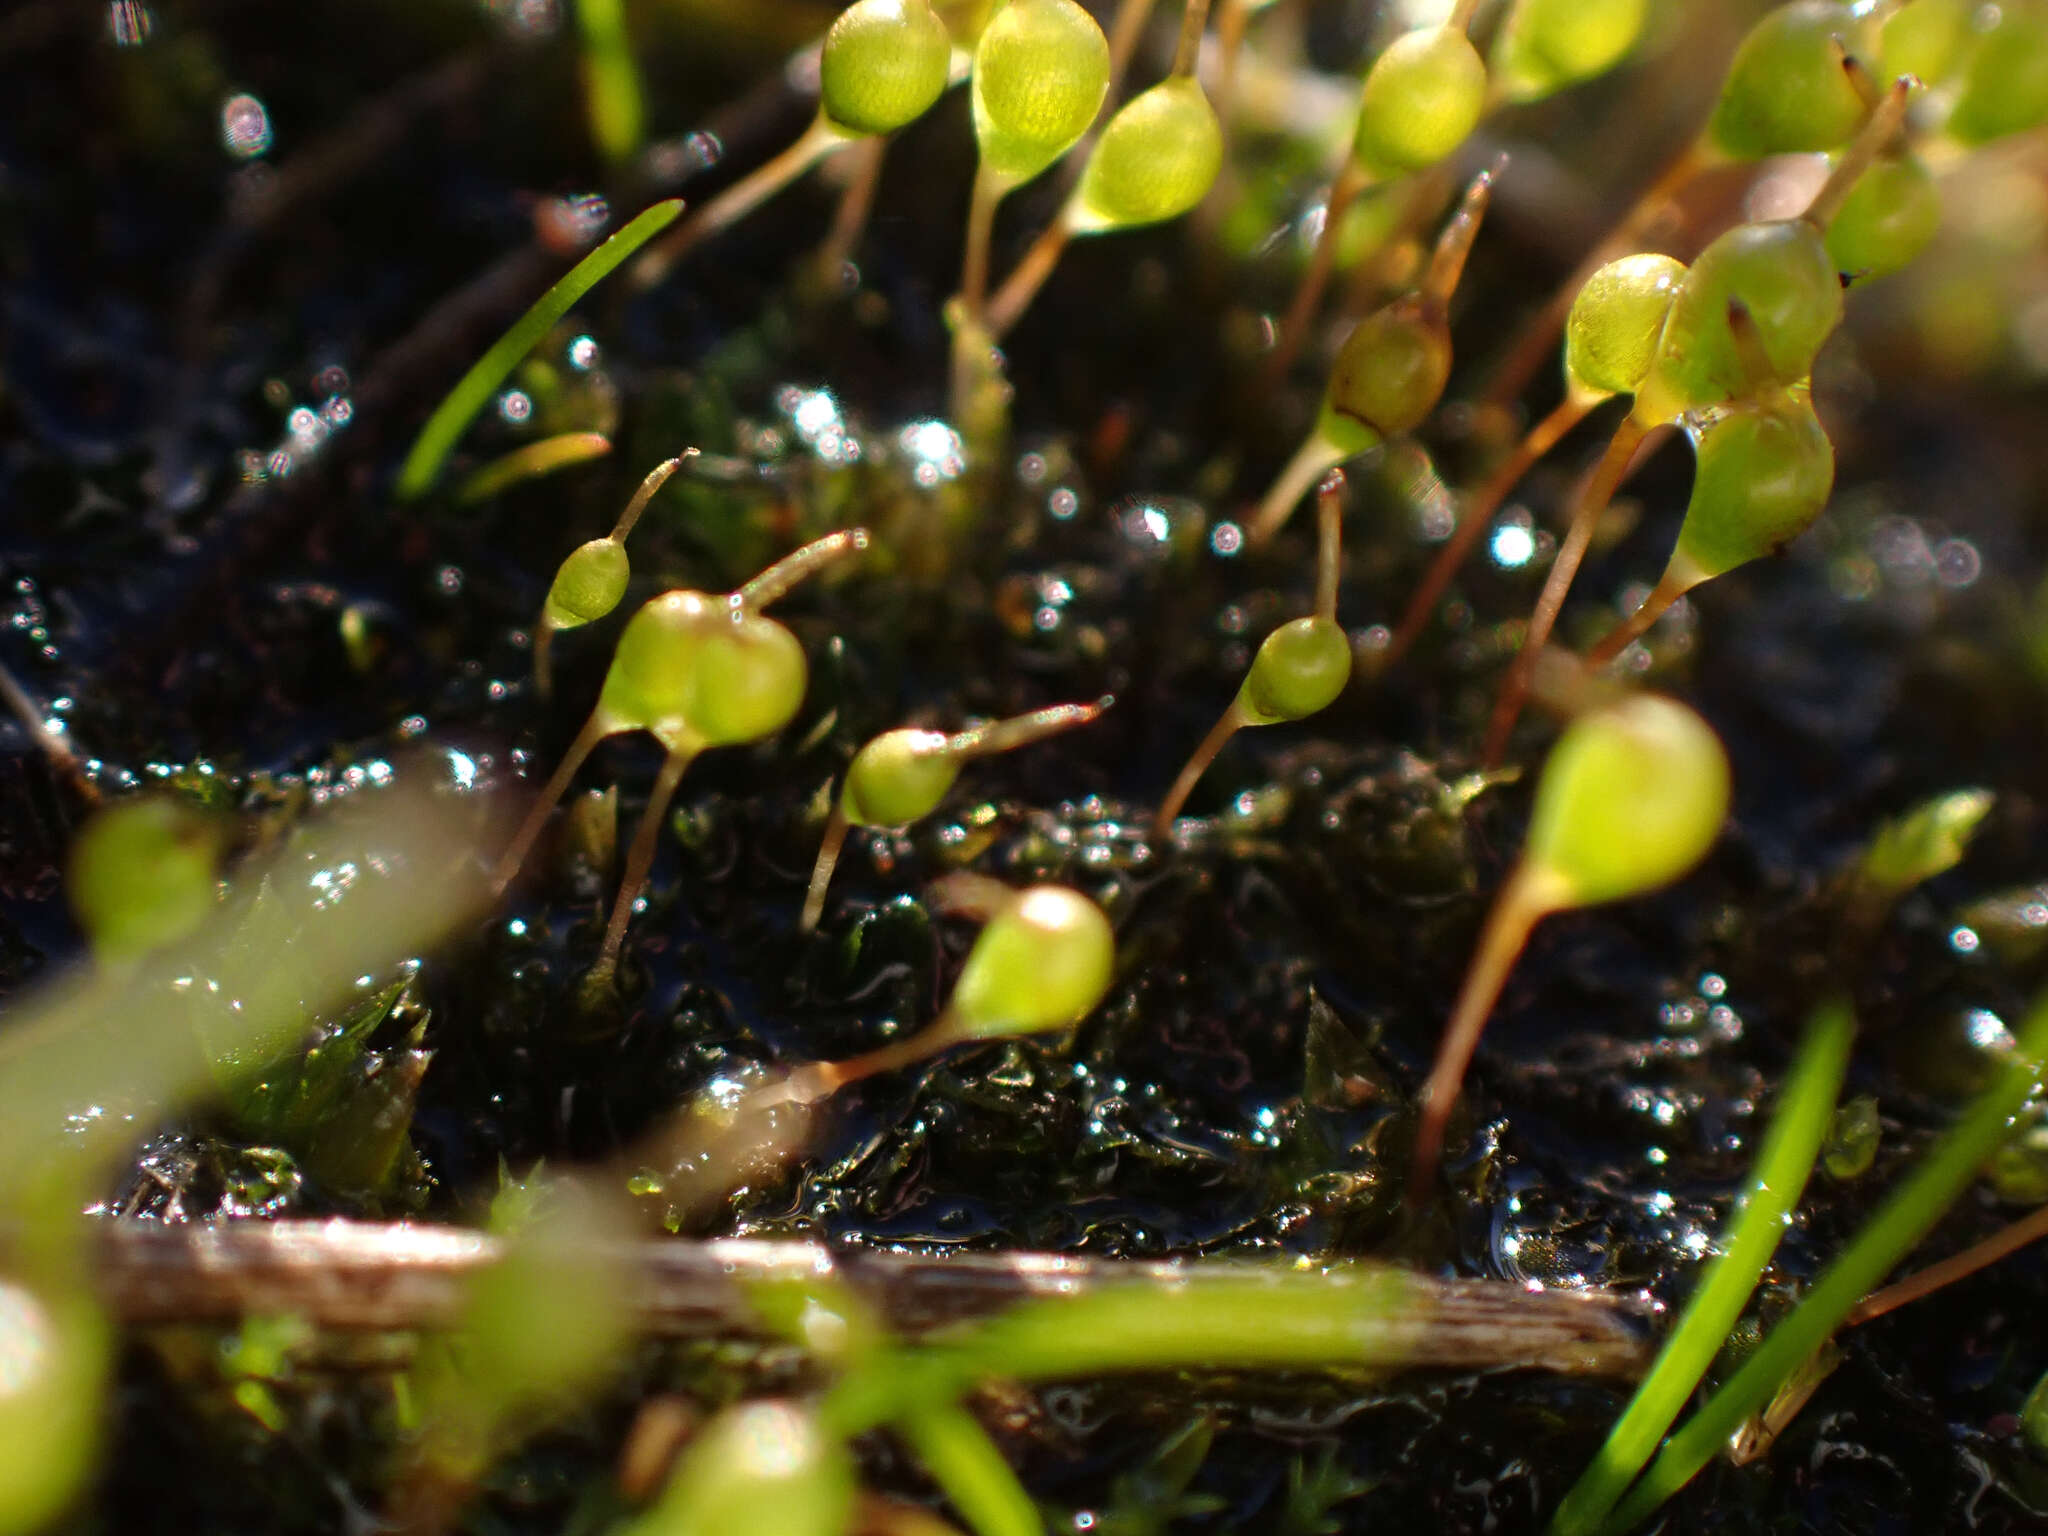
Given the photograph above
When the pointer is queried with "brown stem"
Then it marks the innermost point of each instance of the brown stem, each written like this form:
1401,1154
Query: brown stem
1454,245
1124,33
737,201
1539,333
1027,277
1631,629
799,565
2008,1239
1294,325
50,742
1522,903
1514,691
1538,441
1877,131
1022,730
989,191
1227,725
1189,49
1329,542
543,658
640,857
821,872
856,203
657,477
595,729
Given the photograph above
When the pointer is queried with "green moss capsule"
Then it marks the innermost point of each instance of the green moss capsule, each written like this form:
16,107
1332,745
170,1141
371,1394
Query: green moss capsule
1632,796
1423,97
758,1469
1765,470
144,874
1887,219
1043,962
884,63
589,584
1546,45
902,775
1156,159
1616,321
2004,87
1924,39
1041,69
1786,91
1781,274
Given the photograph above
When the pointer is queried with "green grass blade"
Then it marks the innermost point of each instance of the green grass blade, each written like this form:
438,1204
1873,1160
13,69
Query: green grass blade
1783,1166
1914,1207
970,1471
530,462
423,464
611,82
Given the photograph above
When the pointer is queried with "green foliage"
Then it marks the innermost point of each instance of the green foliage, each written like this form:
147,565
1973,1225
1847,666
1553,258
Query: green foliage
1786,91
1781,275
143,874
1611,334
1546,45
1926,841
1300,669
1633,795
1041,70
1156,159
1765,471
884,63
1422,99
1042,962
1888,218
2004,87
763,1468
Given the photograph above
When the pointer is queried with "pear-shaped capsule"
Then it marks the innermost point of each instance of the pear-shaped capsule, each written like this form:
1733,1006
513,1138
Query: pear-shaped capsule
591,582
144,874
1156,159
1546,45
1041,69
762,1468
1781,274
1786,91
883,65
2004,86
1924,39
1422,98
1765,470
1616,320
1632,796
1299,670
1887,219
694,671
1388,375
902,775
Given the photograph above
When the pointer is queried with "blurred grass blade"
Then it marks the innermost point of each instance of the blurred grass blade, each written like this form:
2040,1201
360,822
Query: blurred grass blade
970,1471
376,879
437,438
1758,1222
530,463
1904,1219
611,81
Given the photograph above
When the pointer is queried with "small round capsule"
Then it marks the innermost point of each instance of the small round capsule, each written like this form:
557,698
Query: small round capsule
1423,97
1041,69
1786,91
1157,158
883,65
1611,334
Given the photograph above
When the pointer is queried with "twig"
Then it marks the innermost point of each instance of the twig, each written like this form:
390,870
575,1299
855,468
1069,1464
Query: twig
369,1275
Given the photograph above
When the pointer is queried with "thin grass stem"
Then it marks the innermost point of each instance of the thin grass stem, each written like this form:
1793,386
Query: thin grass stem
1915,1205
1750,1238
438,437
531,462
969,1470
612,97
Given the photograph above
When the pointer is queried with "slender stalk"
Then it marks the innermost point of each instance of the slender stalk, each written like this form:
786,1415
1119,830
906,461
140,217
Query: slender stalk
1124,34
1877,131
1022,730
1344,191
1539,333
50,743
1188,51
1514,691
2007,1239
1228,724
1028,276
657,477
640,856
1528,897
856,204
740,199
595,729
1316,455
437,438
1669,589
969,1470
1915,1205
1329,538
989,191
1784,1164
544,658
1478,512
798,566
821,872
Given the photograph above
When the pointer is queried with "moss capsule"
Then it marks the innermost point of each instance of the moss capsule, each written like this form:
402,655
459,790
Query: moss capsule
763,1468
1924,39
883,65
1632,796
1611,334
1546,45
1041,69
1422,98
1156,159
1786,91
2004,86
1887,219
